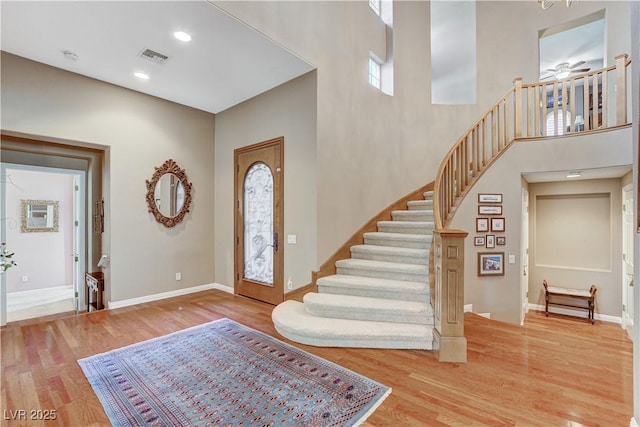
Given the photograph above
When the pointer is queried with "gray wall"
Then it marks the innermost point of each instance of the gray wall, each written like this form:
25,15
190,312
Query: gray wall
290,111
138,132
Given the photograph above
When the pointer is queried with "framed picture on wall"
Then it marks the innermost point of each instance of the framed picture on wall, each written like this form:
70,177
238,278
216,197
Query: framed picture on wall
490,263
490,210
497,224
489,198
501,240
478,241
482,224
491,241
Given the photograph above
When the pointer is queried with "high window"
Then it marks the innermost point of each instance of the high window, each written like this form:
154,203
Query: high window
374,73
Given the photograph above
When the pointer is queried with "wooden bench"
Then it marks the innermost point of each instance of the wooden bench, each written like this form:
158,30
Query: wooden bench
567,294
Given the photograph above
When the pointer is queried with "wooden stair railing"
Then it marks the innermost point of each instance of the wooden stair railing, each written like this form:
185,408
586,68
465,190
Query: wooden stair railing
536,110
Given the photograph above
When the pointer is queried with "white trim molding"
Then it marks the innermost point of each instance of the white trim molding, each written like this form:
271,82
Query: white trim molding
633,423
577,313
468,308
155,297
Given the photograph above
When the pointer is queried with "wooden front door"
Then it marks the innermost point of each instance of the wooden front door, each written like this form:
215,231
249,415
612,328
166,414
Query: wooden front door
259,221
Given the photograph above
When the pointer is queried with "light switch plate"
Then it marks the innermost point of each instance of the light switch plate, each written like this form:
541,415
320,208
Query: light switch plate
292,238
512,259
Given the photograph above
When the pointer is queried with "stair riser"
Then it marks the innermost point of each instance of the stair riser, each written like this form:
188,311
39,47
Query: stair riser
393,275
359,292
405,229
372,316
397,243
426,216
423,260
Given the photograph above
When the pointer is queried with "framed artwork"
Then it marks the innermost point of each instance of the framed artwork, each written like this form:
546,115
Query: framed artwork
478,241
501,240
490,210
491,241
489,198
497,224
482,224
490,263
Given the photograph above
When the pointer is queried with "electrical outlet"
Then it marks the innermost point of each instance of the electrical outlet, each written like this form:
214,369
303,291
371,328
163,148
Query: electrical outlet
178,276
290,283
25,278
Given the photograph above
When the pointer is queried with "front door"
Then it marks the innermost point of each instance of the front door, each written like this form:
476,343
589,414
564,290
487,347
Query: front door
259,221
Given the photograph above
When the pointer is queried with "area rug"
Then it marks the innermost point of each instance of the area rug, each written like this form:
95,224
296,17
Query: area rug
224,373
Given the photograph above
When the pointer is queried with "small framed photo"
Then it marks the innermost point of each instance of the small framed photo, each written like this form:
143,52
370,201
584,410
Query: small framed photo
478,241
497,224
491,241
501,240
489,198
482,224
490,210
490,263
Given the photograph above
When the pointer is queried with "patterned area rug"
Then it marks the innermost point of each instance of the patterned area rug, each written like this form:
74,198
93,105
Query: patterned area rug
224,373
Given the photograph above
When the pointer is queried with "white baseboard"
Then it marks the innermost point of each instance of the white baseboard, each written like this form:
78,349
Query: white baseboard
170,294
633,423
468,308
487,315
577,312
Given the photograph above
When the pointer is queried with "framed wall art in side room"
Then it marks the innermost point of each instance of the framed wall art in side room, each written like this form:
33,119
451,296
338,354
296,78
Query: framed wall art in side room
478,241
501,240
489,198
491,241
490,263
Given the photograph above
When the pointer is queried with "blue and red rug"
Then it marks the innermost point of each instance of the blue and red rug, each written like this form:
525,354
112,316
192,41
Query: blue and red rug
224,373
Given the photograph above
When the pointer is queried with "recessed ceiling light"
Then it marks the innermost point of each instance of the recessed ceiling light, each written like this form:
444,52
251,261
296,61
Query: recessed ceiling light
574,174
141,76
182,36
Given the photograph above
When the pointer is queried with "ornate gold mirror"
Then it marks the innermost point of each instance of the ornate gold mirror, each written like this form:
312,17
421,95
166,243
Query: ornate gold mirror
39,216
169,194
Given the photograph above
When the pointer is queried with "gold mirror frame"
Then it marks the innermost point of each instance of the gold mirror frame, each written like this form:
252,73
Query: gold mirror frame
169,167
26,207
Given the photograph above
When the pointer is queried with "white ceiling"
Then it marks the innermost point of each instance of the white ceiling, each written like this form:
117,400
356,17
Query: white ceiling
224,64
596,173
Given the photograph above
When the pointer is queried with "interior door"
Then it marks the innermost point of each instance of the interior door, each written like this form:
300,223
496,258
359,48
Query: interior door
627,259
79,226
259,221
524,255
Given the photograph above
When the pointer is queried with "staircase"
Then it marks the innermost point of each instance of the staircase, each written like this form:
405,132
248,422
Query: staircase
379,297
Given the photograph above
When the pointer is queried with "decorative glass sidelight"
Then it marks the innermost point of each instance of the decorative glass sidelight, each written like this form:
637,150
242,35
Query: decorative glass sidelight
258,224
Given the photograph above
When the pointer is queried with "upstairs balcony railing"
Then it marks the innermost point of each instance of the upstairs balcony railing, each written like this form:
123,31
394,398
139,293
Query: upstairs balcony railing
584,103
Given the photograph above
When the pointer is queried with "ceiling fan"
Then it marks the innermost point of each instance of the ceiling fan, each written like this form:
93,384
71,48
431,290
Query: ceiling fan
564,70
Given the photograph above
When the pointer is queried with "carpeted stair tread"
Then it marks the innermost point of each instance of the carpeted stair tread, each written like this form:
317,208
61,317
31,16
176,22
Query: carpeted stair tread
344,284
365,308
428,195
390,254
420,205
292,321
383,269
410,227
404,240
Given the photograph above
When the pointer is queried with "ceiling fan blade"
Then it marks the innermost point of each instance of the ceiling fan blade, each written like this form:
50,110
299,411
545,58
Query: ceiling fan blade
577,64
582,70
553,70
546,77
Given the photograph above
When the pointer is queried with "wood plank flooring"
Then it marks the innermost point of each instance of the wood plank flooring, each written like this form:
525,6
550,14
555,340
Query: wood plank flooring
555,371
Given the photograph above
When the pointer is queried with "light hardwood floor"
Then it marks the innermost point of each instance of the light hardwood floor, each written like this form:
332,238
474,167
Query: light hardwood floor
555,371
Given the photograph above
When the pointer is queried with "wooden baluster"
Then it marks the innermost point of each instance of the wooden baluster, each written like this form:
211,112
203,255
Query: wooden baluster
587,121
605,99
555,108
517,126
621,89
505,122
543,115
531,111
564,109
572,103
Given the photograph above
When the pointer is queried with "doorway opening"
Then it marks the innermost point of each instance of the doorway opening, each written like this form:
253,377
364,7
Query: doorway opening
43,210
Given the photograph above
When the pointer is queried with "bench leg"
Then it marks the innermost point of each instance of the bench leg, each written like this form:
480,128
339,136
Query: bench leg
546,305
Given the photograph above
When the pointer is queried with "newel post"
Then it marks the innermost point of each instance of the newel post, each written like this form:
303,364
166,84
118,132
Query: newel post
518,107
621,89
448,331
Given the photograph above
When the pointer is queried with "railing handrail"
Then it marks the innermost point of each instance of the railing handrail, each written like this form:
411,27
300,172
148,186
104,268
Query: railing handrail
453,181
